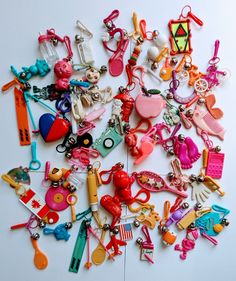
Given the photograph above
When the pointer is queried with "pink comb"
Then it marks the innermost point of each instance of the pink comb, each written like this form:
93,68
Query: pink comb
204,121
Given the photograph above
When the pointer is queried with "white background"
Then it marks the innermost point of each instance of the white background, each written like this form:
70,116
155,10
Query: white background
20,22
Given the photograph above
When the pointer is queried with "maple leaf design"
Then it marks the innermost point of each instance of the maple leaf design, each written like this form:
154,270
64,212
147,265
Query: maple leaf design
35,204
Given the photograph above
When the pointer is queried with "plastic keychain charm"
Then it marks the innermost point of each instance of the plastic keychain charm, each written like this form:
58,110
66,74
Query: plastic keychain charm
60,232
79,247
213,162
149,103
22,117
146,247
177,215
155,183
83,43
204,122
52,127
35,164
99,254
186,150
180,33
188,243
122,182
213,223
114,244
93,182
192,215
168,237
40,259
115,62
29,198
108,141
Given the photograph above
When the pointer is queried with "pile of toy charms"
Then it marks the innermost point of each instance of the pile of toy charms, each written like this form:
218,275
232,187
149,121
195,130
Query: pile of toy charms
168,60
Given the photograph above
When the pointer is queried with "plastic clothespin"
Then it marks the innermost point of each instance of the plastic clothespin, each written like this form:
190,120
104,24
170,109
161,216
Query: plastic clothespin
34,164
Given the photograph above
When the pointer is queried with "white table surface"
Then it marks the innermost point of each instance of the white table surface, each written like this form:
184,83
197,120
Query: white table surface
20,22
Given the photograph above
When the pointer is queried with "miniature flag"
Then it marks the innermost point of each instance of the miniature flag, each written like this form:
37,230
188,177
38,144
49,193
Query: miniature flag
126,232
35,203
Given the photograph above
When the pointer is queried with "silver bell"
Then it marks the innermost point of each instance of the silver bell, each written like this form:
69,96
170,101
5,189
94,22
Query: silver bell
170,152
192,226
155,33
170,176
193,178
169,96
68,225
200,179
72,188
42,224
136,223
103,69
154,66
68,155
189,113
173,61
54,41
217,148
201,101
139,241
181,137
121,89
35,236
106,226
109,25
111,122
181,108
198,206
187,65
115,230
78,39
185,205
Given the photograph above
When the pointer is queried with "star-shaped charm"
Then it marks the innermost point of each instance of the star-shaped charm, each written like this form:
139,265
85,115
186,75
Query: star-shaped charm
143,179
151,181
158,184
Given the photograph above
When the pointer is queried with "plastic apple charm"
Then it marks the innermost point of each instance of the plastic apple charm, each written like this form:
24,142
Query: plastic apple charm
149,106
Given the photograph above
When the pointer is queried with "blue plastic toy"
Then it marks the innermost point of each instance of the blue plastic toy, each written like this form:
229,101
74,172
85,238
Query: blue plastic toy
40,68
60,232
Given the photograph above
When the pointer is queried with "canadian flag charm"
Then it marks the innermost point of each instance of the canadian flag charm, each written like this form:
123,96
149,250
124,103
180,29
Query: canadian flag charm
35,203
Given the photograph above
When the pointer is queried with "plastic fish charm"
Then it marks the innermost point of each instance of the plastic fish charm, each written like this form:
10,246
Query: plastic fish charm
204,121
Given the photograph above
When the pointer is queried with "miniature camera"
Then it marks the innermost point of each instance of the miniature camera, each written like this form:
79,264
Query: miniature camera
107,141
